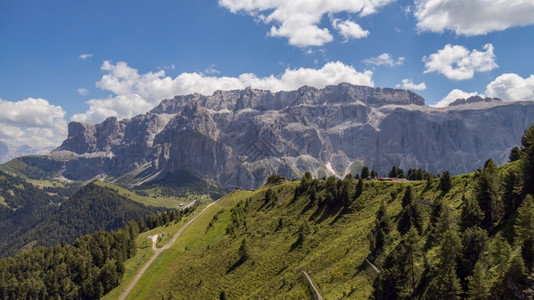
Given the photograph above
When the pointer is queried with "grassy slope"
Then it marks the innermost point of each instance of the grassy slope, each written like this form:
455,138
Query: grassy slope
158,201
186,240
333,254
202,263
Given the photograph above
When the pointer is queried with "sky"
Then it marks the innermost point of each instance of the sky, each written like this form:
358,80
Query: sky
74,60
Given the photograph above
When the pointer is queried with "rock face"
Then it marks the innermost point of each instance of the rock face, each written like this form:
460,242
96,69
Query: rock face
473,99
239,138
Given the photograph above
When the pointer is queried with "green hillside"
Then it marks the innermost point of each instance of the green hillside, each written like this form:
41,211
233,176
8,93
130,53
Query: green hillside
462,237
426,238
91,209
22,206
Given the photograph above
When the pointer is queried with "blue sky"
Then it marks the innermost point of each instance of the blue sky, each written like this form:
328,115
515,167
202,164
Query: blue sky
86,60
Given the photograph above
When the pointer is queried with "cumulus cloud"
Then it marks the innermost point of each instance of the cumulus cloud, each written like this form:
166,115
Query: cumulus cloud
453,96
298,20
458,63
349,29
512,87
473,17
83,91
33,122
384,59
136,93
85,56
409,85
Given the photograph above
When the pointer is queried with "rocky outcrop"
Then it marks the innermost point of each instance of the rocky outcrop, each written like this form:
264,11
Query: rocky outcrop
474,99
238,138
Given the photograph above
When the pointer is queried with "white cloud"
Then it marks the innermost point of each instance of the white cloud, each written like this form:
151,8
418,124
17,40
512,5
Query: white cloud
472,17
83,91
458,63
136,93
85,56
384,59
34,122
298,20
409,85
512,87
211,70
453,96
349,29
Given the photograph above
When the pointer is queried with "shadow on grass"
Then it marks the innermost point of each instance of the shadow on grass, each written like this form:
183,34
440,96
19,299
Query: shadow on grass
307,207
237,264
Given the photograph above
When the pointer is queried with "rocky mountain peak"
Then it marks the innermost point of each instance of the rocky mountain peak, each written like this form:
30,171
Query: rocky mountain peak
474,99
238,138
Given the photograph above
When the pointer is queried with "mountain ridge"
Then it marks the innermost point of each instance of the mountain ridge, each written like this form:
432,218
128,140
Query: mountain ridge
238,138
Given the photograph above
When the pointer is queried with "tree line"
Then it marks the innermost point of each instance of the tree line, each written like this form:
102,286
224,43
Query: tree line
88,268
487,250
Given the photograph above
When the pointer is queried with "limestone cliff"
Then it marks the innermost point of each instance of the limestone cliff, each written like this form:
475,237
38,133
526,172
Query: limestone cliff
238,138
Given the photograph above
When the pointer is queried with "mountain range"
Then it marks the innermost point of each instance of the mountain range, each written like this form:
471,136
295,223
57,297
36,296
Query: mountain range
238,138
8,151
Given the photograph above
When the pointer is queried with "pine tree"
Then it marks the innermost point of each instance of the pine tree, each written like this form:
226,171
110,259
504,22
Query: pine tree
472,215
524,228
408,197
346,191
500,252
412,243
382,228
478,287
359,189
445,283
474,244
515,154
365,172
517,272
446,221
527,161
411,216
445,183
512,190
487,194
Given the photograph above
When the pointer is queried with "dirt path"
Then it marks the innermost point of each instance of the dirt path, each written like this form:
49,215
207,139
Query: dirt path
317,293
157,251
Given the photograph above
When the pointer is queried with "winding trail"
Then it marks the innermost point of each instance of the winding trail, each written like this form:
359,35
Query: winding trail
157,251
317,293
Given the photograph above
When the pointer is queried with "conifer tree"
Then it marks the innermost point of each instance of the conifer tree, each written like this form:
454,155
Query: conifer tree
411,216
512,189
365,172
478,287
359,189
472,215
527,159
448,255
487,194
407,199
445,183
500,252
382,228
445,283
524,228
412,255
517,272
515,154
474,244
